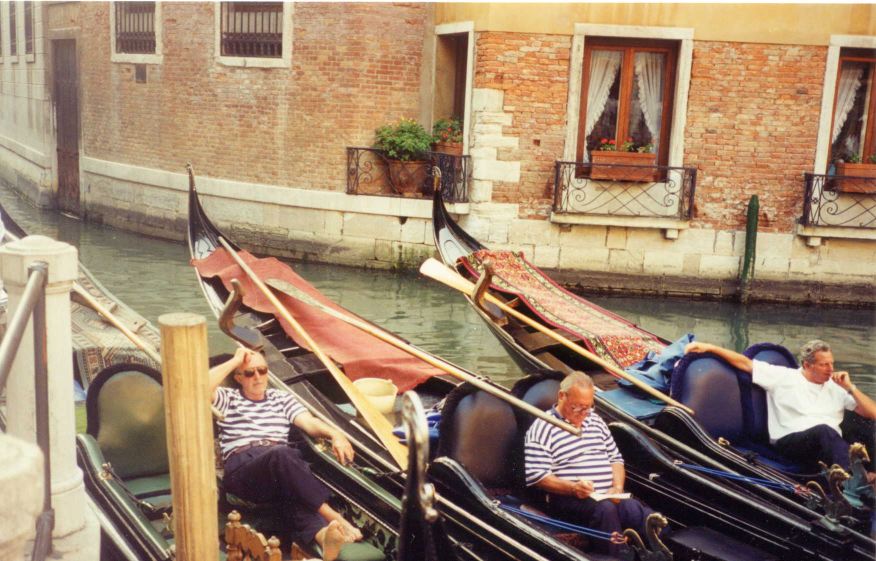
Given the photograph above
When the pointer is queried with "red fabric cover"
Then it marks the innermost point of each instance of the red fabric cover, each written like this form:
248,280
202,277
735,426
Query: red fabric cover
361,354
607,335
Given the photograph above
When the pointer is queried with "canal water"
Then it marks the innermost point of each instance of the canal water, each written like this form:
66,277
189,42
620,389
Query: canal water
153,277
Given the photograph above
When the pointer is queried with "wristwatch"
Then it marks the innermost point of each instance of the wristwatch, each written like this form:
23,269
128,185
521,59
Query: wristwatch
852,389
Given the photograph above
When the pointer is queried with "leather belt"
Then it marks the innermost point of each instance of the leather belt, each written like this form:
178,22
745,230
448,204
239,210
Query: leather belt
254,444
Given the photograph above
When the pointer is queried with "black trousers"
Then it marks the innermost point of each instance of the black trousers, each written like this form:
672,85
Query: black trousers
818,443
600,515
278,474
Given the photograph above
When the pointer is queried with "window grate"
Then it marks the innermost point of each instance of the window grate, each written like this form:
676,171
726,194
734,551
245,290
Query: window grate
135,27
252,29
28,27
13,30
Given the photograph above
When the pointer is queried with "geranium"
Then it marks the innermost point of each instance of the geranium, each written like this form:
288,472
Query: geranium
607,145
405,140
447,130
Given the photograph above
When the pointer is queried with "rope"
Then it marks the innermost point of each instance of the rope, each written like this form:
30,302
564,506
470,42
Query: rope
559,524
755,480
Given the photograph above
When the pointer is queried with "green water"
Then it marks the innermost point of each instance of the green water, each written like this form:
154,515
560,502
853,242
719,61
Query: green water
153,277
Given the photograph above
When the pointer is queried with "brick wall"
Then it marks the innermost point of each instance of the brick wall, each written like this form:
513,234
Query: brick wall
354,67
752,122
533,72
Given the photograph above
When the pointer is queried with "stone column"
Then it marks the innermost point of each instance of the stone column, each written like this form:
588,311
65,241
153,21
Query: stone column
21,486
76,533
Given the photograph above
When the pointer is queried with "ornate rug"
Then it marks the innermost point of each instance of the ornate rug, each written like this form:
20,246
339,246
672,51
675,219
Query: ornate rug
607,335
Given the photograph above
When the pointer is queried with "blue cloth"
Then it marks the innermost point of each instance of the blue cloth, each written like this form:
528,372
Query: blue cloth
78,392
655,369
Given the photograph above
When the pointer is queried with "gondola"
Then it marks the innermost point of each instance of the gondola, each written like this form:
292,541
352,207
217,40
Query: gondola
714,519
123,453
671,426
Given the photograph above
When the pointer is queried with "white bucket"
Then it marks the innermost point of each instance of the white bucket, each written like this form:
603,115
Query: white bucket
380,392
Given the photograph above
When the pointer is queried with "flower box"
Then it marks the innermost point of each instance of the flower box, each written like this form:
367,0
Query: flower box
453,148
611,157
867,173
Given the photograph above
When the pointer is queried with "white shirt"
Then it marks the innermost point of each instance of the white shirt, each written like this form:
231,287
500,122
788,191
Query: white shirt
795,404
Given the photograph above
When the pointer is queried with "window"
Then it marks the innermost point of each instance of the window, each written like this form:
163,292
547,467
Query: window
627,94
854,111
13,32
252,29
28,27
135,27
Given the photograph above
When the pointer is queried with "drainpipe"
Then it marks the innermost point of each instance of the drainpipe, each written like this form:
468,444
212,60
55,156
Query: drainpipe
747,272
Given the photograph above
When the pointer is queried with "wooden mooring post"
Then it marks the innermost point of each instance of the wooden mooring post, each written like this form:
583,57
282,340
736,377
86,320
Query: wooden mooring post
189,435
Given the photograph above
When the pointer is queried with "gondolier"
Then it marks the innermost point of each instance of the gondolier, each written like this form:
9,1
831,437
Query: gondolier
261,467
805,405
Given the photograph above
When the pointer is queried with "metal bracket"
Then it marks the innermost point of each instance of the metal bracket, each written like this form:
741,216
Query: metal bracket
249,338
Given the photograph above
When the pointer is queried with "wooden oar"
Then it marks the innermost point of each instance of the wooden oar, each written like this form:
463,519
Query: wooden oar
434,269
293,291
378,423
92,303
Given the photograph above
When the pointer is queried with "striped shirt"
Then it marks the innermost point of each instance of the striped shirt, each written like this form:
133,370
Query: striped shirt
248,421
552,451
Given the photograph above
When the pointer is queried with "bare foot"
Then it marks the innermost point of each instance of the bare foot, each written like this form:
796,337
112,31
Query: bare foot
332,540
351,533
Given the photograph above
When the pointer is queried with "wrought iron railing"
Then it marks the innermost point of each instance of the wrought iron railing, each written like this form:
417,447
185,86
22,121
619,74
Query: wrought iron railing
33,303
370,172
831,200
624,190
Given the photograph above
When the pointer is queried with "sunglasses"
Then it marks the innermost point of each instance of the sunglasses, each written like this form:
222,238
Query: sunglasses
250,372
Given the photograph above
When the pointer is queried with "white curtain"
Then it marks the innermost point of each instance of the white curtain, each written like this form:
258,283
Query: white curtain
850,81
604,66
649,75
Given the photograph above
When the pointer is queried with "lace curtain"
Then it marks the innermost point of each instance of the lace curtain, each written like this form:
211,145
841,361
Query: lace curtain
850,81
604,66
649,76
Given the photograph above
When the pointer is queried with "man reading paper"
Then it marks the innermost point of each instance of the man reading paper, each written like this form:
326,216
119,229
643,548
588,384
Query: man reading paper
576,471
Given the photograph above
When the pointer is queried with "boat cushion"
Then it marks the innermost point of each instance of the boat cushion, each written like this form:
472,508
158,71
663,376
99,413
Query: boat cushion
709,544
633,402
125,409
481,432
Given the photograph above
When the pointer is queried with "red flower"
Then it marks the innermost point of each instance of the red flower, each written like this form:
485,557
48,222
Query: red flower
611,141
603,141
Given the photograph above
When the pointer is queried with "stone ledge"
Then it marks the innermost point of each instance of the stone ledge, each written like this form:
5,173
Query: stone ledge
270,194
815,233
670,226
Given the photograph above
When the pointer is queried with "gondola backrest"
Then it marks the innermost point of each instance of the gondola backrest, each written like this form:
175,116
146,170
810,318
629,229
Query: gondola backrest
711,387
480,432
125,407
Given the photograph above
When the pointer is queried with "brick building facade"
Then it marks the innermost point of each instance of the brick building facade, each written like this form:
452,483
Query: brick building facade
750,108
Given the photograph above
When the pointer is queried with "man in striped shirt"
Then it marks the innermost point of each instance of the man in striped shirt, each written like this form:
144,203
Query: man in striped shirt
571,469
259,464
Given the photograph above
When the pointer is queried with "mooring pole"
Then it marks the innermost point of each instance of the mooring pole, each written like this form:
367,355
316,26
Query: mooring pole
747,272
189,435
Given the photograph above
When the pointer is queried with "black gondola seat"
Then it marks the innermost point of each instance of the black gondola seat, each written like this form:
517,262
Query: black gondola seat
727,404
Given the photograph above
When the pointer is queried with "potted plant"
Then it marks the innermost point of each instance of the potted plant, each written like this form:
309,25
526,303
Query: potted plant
405,145
852,166
447,136
627,154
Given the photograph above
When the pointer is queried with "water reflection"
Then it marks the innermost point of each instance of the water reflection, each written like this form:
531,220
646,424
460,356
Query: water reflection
153,276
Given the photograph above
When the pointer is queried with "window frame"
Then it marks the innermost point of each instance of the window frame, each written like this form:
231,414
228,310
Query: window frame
583,31
285,59
829,90
630,46
135,58
868,145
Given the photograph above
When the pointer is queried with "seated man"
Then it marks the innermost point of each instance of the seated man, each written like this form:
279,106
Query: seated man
259,464
805,405
570,468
